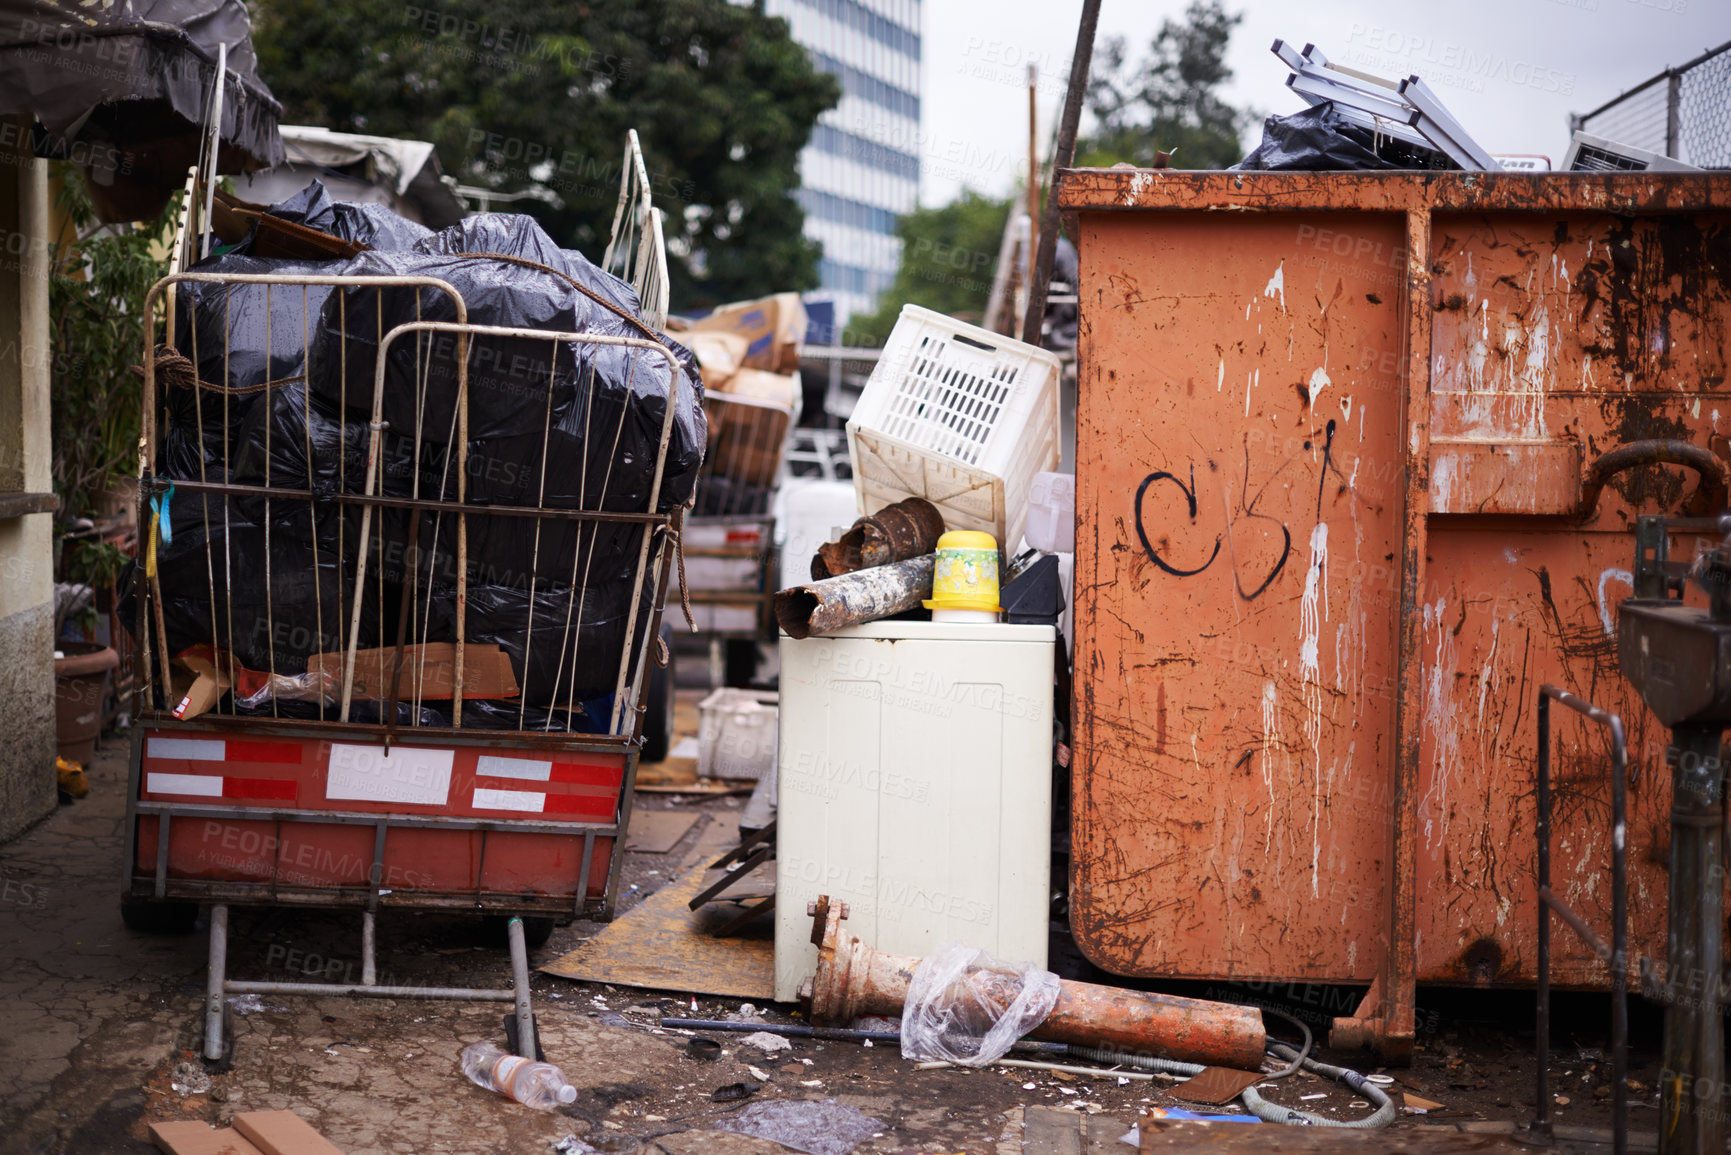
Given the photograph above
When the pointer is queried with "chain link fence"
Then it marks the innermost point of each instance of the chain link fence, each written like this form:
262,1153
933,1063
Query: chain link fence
1683,112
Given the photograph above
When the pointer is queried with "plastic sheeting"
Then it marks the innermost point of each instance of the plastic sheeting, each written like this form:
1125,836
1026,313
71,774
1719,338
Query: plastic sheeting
966,1007
598,411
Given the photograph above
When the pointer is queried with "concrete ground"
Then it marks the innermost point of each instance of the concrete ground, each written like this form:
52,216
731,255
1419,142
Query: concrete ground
99,1031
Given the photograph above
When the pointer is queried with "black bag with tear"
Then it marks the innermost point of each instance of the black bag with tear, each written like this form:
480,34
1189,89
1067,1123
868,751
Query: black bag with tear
591,415
1320,139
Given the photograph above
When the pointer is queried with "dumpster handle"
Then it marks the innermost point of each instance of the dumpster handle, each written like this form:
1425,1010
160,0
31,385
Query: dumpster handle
1655,452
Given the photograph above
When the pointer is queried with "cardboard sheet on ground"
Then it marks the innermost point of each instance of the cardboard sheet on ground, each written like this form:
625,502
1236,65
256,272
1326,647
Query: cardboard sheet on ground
658,831
1214,1085
661,945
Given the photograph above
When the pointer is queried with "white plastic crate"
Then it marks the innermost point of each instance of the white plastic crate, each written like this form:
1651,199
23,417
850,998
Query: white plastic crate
960,416
736,733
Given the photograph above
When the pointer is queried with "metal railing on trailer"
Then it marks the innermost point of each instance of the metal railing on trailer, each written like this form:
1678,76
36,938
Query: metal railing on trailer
283,796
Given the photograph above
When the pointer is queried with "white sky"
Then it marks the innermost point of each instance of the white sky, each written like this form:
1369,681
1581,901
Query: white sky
1510,71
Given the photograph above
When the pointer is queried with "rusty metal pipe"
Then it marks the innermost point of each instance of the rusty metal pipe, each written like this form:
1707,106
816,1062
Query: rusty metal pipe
908,528
852,979
855,598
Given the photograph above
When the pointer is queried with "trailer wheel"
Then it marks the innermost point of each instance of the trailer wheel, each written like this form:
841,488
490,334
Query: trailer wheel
149,916
658,712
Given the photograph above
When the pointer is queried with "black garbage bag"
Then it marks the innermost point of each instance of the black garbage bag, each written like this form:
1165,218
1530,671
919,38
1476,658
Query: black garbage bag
274,592
591,415
375,226
1320,139
239,338
569,650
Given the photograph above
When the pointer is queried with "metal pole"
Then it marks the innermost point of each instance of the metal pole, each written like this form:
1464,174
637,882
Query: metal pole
213,982
369,968
520,988
1673,112
1542,1024
1619,941
1062,156
1033,179
1691,1114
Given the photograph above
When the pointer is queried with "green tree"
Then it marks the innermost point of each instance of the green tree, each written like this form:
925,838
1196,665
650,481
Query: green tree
949,254
526,95
1170,101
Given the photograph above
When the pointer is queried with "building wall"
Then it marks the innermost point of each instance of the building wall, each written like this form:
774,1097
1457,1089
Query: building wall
26,543
862,168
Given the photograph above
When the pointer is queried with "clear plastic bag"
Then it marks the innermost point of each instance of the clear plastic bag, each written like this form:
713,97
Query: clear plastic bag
966,1007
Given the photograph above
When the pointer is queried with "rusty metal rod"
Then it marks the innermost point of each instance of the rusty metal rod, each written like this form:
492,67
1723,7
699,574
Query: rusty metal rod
1046,228
852,979
856,598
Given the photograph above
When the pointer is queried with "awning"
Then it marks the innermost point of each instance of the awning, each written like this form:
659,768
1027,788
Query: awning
120,87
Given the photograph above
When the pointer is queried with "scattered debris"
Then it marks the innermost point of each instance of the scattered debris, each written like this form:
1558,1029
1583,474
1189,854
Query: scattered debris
770,1044
733,1092
190,1079
818,1127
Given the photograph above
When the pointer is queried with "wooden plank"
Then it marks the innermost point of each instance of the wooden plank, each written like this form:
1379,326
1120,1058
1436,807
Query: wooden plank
194,1137
283,1133
658,831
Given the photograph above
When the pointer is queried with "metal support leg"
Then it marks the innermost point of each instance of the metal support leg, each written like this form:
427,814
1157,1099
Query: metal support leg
214,980
369,970
1692,1103
520,988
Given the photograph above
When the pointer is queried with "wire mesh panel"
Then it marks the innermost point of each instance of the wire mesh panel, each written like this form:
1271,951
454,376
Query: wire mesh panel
1683,112
369,517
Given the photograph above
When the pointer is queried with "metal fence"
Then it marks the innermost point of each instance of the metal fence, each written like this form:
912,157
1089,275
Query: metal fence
1683,112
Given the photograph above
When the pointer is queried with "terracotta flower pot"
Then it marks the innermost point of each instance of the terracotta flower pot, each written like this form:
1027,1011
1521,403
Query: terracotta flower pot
80,679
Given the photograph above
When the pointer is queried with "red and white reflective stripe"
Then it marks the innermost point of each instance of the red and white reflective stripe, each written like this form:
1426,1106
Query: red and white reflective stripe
163,749
532,802
218,786
188,749
532,770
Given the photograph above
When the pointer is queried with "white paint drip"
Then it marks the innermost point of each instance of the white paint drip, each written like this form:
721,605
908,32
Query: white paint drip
1612,574
1270,743
1442,482
1318,382
1311,676
1138,184
1346,413
1439,722
1220,377
1277,285
1250,383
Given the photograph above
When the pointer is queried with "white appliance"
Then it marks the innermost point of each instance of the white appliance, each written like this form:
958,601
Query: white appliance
1589,153
915,784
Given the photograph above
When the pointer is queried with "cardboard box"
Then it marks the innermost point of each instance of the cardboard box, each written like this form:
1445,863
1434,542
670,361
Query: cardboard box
749,421
429,672
773,328
719,355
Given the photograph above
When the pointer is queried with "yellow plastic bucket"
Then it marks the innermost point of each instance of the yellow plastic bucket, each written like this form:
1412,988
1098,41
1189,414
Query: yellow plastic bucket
966,577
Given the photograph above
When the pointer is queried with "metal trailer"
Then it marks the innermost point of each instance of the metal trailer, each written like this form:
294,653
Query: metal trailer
1358,458
270,810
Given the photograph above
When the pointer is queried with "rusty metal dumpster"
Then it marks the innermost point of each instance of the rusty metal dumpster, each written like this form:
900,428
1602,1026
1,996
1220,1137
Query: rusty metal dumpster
1359,455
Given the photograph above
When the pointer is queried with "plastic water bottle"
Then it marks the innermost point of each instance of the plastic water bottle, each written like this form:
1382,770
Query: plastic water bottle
538,1085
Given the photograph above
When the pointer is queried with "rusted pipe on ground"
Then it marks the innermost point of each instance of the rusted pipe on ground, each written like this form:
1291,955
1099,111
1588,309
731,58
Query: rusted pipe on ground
908,528
853,979
855,598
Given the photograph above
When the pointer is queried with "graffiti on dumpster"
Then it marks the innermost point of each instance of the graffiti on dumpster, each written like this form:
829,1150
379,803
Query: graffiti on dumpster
1247,512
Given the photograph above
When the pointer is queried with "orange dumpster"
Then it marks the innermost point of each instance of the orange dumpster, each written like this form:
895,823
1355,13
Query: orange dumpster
1358,460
